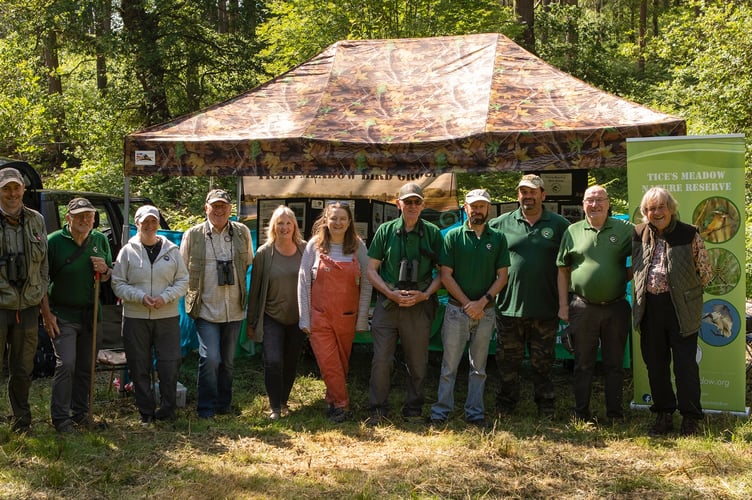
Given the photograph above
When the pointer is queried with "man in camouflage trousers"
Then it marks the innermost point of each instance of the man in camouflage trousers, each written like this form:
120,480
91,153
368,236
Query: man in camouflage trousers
526,312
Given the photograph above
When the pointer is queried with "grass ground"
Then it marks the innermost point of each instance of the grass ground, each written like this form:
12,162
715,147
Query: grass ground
306,456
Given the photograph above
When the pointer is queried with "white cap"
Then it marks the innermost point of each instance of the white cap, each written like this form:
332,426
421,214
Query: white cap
477,195
146,211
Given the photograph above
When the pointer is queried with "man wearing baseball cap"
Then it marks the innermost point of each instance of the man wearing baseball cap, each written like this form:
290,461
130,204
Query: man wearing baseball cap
23,284
403,256
217,253
526,315
76,253
474,262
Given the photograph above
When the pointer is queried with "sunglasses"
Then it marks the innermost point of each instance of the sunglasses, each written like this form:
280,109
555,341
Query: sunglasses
342,204
411,201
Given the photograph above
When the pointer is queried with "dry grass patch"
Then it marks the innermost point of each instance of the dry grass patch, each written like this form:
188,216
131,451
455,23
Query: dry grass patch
305,456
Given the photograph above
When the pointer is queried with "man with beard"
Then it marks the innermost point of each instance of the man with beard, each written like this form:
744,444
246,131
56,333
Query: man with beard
474,261
526,313
592,280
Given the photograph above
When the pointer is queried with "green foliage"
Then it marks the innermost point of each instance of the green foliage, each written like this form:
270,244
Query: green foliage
297,31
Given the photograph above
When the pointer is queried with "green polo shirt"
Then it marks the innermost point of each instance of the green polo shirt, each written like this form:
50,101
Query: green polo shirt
391,244
71,291
597,259
531,291
474,260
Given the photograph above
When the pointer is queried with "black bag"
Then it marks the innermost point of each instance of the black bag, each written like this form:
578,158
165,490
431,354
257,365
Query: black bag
44,359
567,339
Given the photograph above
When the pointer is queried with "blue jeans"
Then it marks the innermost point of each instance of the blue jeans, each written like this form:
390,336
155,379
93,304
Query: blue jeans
456,331
216,350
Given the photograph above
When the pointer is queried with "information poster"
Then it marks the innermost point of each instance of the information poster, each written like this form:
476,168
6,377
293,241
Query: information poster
706,176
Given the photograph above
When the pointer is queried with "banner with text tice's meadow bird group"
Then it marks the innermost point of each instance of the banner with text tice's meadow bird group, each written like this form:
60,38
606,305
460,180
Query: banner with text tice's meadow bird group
706,176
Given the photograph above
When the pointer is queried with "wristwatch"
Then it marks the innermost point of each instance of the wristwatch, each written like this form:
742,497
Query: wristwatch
488,297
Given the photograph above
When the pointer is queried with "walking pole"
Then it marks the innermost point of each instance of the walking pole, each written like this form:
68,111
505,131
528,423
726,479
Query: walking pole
93,349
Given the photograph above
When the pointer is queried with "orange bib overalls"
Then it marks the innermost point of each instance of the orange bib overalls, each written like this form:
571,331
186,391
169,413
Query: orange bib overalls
335,295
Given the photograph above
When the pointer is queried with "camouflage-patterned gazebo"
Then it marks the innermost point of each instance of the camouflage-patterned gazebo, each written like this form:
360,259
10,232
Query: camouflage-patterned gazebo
407,106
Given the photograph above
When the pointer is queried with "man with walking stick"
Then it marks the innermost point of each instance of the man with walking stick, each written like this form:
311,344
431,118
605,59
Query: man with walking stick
79,257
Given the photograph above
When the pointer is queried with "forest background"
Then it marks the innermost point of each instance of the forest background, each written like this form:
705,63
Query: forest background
77,76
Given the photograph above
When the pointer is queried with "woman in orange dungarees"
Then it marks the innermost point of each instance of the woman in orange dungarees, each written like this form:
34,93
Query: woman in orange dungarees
333,297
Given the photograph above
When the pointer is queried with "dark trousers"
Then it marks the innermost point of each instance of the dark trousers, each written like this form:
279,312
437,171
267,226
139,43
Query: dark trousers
18,329
515,334
660,341
72,380
607,325
141,338
412,326
282,346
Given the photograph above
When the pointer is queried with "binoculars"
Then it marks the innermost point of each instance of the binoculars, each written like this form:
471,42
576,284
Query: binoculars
408,274
15,267
225,276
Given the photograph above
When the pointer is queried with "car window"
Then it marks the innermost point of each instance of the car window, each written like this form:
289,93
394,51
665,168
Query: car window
104,224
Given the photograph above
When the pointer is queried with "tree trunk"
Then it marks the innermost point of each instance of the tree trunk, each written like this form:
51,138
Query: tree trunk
642,33
142,33
54,86
525,11
103,29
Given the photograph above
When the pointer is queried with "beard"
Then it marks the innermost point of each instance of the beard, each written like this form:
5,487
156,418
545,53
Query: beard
478,219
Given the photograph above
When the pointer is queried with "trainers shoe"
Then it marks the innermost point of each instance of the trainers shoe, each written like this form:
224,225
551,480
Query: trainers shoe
274,415
339,415
664,424
146,420
690,426
284,411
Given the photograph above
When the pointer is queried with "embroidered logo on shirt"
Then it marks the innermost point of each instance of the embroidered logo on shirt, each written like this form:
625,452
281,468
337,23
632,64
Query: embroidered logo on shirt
547,233
613,239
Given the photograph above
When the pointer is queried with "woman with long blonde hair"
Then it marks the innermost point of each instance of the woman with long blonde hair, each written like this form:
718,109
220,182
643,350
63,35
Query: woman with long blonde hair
273,307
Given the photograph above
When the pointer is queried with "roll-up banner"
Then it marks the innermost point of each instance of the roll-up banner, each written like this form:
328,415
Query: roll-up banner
706,176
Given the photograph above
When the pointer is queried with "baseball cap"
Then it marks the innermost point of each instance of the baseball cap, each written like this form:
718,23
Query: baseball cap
146,211
80,205
410,189
531,181
218,195
10,174
477,195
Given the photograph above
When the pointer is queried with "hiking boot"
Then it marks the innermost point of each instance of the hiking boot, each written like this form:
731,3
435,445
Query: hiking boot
690,426
66,427
480,423
164,414
546,409
664,424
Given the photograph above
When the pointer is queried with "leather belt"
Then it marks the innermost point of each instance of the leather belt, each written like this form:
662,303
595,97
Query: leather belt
594,303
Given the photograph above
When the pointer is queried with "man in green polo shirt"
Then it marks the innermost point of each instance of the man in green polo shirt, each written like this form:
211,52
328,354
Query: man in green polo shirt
403,255
593,276
526,314
76,253
474,262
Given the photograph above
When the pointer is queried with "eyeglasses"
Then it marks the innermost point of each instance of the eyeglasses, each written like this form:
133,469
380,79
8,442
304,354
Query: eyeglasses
411,201
593,201
342,204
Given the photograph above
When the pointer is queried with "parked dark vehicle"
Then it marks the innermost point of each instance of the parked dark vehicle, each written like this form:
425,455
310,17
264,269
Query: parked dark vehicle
52,203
